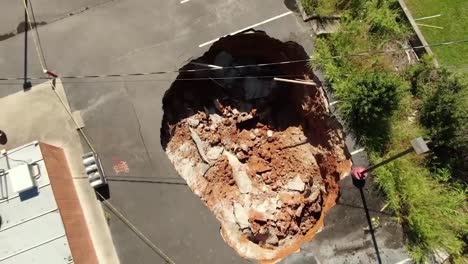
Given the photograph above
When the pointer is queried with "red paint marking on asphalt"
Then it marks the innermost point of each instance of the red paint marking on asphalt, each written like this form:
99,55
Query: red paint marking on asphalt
120,166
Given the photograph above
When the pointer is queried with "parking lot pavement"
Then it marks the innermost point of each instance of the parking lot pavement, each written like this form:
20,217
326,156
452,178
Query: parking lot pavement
45,11
123,115
345,237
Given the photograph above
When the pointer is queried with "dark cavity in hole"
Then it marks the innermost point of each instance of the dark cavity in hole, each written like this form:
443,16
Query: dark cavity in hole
278,105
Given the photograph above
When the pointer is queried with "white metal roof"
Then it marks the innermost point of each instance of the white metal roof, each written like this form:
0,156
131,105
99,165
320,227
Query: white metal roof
32,230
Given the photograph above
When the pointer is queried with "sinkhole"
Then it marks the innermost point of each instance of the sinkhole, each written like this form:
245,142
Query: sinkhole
264,155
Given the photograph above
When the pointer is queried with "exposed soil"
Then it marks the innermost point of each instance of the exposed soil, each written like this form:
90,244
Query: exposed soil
265,156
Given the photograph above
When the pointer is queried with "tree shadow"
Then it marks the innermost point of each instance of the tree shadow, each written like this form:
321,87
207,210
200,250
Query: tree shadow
291,5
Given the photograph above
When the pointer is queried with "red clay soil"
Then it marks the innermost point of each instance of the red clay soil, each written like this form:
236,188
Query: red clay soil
266,165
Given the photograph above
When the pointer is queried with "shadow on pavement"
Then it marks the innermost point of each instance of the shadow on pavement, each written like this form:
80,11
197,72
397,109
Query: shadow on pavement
291,5
360,184
104,193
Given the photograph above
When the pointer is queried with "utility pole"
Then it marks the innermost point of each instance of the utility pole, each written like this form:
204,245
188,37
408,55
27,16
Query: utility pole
27,84
359,174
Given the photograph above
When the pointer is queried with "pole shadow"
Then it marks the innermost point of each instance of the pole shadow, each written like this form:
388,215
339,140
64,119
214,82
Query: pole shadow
360,185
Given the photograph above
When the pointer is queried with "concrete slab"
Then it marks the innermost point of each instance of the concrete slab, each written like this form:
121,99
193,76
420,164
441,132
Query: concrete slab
39,115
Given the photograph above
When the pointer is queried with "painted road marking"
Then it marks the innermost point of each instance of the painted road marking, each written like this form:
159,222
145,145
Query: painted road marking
120,166
252,26
184,1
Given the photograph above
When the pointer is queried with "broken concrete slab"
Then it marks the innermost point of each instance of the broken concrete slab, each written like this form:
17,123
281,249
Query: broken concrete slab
193,122
272,238
214,153
241,216
296,184
199,144
216,119
269,133
239,172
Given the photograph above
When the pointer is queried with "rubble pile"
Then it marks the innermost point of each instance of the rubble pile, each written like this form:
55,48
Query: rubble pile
264,156
275,189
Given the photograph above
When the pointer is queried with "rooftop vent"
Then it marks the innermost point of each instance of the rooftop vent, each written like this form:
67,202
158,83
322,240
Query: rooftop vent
21,178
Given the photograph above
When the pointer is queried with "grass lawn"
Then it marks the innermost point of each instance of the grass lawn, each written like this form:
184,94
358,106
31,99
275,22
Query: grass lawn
453,19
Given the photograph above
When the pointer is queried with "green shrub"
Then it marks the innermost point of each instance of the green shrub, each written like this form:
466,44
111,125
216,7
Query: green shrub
326,7
384,20
368,102
375,104
434,214
444,113
309,6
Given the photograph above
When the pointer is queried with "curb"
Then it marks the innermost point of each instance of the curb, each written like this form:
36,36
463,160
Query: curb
418,32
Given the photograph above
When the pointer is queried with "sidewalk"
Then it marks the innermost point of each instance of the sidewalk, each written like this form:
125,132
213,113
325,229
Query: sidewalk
39,115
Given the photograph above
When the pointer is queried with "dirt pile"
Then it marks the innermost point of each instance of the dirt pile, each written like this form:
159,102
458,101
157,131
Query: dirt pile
264,156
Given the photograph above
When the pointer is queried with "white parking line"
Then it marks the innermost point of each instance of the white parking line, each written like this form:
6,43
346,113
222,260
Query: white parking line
252,26
184,1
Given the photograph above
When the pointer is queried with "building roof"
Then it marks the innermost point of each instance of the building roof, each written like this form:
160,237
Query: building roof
31,229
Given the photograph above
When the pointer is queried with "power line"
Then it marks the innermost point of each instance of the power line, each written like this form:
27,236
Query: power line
107,203
461,66
135,230
359,54
180,79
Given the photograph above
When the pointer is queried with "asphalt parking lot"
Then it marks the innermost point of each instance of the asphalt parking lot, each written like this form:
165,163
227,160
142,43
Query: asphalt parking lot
123,114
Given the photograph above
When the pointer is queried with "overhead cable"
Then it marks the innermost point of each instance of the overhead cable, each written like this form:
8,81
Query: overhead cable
107,203
219,68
